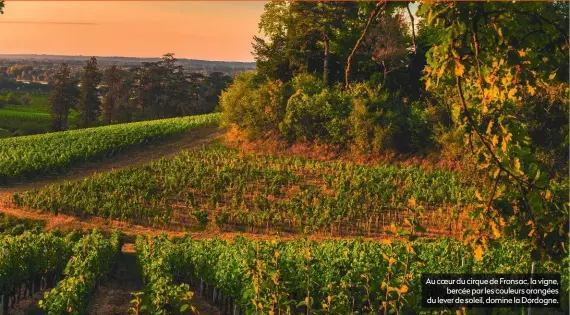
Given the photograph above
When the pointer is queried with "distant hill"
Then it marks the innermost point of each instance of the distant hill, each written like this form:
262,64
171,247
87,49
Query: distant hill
189,64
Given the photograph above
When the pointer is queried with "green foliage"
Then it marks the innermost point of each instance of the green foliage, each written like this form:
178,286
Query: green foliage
5,133
381,122
10,225
156,256
315,38
337,276
12,99
252,105
35,155
257,192
9,99
315,112
29,257
16,119
63,98
306,110
500,59
89,105
93,257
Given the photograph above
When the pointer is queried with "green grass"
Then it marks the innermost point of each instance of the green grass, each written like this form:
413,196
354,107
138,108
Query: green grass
40,102
22,119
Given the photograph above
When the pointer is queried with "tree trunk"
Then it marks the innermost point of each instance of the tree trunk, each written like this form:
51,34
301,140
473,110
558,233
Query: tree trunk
413,28
374,13
326,61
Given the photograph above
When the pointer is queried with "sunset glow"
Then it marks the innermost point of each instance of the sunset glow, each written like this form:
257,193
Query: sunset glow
197,30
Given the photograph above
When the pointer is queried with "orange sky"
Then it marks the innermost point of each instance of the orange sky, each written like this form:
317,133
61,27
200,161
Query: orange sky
197,30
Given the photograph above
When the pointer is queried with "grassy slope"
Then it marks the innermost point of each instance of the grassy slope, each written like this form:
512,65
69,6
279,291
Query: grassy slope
28,119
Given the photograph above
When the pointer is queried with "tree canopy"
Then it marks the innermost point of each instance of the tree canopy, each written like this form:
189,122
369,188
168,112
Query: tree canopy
484,82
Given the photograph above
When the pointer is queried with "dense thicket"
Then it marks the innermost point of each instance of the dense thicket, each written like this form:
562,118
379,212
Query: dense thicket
479,82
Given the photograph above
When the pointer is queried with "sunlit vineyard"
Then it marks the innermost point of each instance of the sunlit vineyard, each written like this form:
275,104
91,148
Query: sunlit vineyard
10,225
30,263
31,156
155,259
221,186
93,258
309,277
66,268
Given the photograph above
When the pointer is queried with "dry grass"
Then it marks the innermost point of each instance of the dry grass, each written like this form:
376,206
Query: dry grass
275,145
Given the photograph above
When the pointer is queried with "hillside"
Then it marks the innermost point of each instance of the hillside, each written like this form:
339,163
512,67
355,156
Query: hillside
377,161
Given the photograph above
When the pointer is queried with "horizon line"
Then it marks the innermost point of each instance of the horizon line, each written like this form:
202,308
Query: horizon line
274,0
109,56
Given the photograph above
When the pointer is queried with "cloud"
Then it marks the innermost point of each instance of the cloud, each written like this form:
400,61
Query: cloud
48,22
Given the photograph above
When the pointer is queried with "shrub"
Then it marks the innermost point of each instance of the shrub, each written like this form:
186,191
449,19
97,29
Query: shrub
373,121
383,122
315,113
12,99
252,105
27,100
305,110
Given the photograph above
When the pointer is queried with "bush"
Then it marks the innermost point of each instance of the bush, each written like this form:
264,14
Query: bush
315,112
252,105
27,100
383,122
30,128
368,116
12,99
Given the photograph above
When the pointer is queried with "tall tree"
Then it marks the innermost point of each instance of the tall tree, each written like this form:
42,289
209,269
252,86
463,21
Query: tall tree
213,86
387,44
112,93
500,58
89,106
161,89
125,106
305,37
63,98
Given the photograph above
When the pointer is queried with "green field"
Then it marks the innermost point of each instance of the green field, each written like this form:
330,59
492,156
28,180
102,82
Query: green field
220,186
66,268
21,119
32,156
24,122
327,277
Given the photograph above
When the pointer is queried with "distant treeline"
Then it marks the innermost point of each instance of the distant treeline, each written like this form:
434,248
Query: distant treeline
11,85
160,89
44,67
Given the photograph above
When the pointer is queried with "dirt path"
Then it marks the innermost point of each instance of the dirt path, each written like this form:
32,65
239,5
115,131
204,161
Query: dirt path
69,223
113,297
192,139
